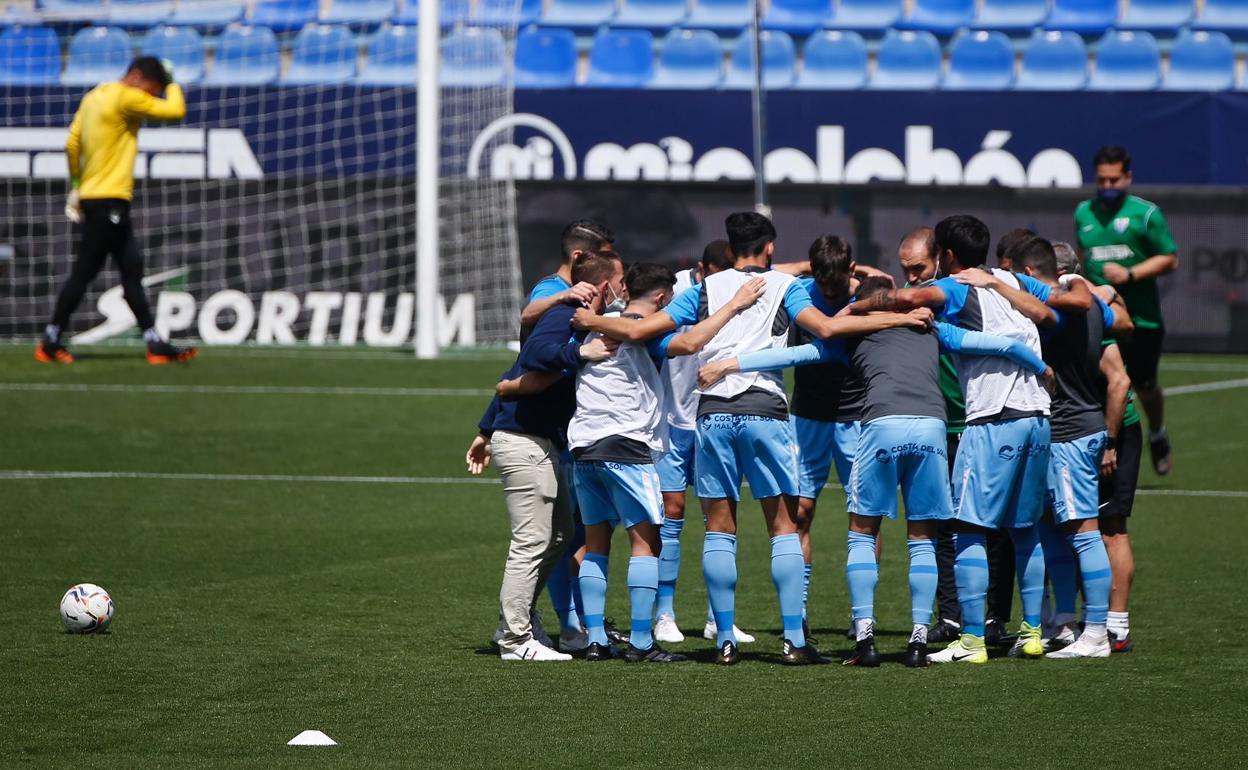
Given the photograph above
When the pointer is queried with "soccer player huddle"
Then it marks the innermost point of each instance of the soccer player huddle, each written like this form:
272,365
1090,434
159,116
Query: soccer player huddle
993,399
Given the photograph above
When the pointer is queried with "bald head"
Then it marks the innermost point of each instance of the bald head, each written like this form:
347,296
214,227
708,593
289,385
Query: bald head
917,255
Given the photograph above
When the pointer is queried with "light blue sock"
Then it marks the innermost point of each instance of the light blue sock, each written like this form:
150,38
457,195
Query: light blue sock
806,568
970,572
643,584
1029,568
559,586
1059,562
719,569
578,540
593,582
669,565
1094,567
786,573
862,572
922,580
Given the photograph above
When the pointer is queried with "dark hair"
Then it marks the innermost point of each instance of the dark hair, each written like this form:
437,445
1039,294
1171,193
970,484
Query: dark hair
151,69
872,285
749,233
584,235
830,256
924,235
966,237
1037,253
1008,243
717,255
645,277
1112,153
594,267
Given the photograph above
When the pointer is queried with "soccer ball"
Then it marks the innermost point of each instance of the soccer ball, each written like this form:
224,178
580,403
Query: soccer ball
86,608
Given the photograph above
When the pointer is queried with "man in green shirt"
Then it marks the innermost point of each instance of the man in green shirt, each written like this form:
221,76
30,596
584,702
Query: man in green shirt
1126,243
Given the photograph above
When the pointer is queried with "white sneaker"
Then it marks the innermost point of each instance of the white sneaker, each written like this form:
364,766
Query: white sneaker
573,641
711,631
499,632
539,633
1086,646
665,630
534,650
1061,636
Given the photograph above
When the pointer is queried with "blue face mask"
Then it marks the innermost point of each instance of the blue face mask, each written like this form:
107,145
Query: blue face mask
1110,197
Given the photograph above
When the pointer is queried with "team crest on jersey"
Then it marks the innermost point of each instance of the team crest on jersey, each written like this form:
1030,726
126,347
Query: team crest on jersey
1121,224
1006,452
882,456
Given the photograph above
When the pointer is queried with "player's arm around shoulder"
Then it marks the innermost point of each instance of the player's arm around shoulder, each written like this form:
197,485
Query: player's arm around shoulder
692,341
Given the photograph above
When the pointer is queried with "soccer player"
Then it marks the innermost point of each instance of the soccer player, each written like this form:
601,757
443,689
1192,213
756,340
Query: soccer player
999,472
1006,245
103,141
1126,243
902,442
743,425
525,437
583,236
617,431
676,466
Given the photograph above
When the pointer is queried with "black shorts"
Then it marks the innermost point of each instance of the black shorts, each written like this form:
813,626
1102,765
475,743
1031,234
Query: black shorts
1141,353
1117,492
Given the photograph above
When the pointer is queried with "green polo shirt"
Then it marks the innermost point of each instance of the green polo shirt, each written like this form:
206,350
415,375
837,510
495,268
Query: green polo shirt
1128,236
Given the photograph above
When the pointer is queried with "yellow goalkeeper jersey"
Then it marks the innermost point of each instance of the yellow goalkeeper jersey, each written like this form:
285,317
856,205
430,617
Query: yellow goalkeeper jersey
104,137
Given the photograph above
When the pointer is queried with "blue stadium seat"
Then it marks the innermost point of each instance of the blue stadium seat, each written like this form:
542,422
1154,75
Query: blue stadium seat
1087,17
138,14
1229,16
96,55
578,14
980,61
284,15
908,60
870,17
689,59
652,14
1157,16
358,13
1126,61
323,54
720,15
246,56
1201,61
450,13
180,45
15,15
75,10
621,58
779,61
834,61
545,58
500,12
797,17
29,56
942,17
1012,15
1053,61
207,14
392,57
473,56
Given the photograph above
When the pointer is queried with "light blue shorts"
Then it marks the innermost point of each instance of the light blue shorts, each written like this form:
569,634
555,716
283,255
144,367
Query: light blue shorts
1074,478
676,466
909,452
1000,472
616,493
820,445
760,448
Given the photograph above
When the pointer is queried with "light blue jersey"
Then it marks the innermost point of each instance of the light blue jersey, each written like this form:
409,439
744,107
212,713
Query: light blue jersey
909,452
618,493
999,475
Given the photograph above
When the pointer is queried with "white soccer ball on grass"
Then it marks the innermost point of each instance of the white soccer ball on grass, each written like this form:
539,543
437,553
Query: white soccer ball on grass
86,609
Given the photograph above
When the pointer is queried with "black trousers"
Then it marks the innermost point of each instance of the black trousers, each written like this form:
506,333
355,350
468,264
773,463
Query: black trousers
1000,600
106,231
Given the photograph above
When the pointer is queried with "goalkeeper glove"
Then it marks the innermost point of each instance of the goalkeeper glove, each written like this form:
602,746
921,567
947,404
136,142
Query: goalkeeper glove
73,204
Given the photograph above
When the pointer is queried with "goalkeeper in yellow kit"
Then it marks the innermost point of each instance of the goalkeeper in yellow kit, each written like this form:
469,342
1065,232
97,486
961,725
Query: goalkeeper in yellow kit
103,141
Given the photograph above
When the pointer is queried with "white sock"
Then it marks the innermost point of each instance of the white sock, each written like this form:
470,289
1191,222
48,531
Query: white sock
919,634
862,628
1096,630
1118,623
52,333
151,335
1153,435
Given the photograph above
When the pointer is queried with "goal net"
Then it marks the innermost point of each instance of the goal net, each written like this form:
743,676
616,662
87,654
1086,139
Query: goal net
275,213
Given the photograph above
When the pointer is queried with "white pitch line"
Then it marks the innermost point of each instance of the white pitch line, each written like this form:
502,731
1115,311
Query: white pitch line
1206,387
59,387
1191,493
76,475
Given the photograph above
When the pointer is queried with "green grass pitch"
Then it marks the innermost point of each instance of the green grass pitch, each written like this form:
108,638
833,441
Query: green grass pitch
249,610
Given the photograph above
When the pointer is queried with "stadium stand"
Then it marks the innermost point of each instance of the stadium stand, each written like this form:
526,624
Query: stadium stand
653,15
545,58
907,60
870,17
284,15
97,54
980,61
323,53
1157,16
450,13
1087,17
834,60
207,15
1012,16
180,45
797,17
578,14
779,61
940,17
245,56
720,15
499,12
1053,61
689,59
367,14
473,56
75,10
1229,16
621,58
138,14
1126,61
29,56
391,58
1201,61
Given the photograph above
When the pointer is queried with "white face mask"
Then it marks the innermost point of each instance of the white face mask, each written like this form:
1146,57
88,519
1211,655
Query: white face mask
616,304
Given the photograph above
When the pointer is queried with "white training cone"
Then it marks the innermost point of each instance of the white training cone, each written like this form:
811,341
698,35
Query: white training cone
311,738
